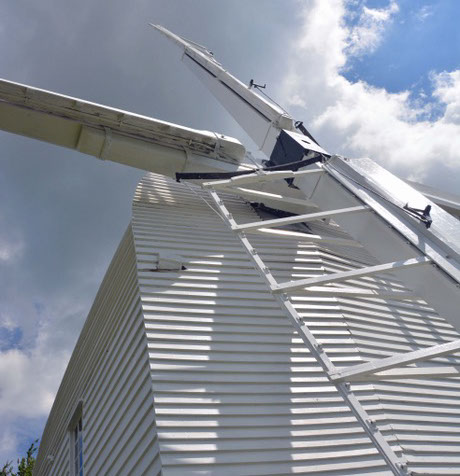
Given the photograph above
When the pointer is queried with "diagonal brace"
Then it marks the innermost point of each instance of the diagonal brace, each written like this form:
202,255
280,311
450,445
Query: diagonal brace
355,273
260,177
356,372
299,218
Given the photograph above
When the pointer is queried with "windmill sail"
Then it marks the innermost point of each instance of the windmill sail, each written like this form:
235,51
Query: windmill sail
390,233
113,134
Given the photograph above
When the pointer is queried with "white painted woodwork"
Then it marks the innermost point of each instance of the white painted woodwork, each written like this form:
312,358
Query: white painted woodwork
209,375
261,119
113,134
108,372
399,360
298,219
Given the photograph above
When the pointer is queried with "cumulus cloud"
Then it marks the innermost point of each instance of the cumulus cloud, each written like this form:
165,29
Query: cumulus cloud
447,91
358,119
30,370
367,34
20,389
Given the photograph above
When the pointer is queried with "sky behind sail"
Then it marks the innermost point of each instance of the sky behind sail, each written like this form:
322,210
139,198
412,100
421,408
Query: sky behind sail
375,78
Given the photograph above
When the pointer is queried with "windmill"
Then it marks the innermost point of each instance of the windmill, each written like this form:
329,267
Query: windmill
257,318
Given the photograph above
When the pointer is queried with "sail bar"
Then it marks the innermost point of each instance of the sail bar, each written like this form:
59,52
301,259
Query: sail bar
307,237
343,276
436,372
261,119
299,218
329,291
264,197
260,177
369,368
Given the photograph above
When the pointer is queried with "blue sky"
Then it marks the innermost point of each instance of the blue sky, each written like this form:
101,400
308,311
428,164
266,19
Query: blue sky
353,71
425,36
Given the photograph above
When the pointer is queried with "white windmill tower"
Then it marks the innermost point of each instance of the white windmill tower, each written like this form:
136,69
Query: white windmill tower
229,338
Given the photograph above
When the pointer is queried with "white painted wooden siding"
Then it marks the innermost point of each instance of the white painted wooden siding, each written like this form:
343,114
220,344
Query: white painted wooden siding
109,372
197,371
236,391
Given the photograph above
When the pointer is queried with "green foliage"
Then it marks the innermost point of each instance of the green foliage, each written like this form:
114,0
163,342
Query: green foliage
25,464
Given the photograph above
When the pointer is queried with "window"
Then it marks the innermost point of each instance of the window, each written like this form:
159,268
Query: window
77,440
75,429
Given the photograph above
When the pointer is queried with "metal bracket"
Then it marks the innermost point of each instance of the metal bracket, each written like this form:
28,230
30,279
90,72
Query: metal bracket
422,214
252,84
106,145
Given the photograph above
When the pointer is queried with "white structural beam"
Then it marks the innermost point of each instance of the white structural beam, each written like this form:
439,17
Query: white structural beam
261,177
356,292
299,218
113,134
370,368
307,237
409,373
262,196
355,273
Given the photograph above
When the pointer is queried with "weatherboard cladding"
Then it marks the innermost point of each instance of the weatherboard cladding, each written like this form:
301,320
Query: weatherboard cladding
236,391
108,372
197,371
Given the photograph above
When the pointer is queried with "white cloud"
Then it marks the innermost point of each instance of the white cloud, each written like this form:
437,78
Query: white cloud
30,375
356,118
447,91
20,390
366,36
